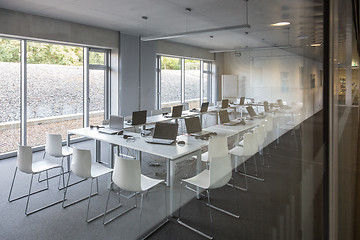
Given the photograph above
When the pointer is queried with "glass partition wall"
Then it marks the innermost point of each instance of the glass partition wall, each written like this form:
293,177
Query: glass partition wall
53,84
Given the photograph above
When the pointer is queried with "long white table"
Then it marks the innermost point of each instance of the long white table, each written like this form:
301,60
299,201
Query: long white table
173,153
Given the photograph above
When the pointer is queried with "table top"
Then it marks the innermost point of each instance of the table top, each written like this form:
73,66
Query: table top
171,152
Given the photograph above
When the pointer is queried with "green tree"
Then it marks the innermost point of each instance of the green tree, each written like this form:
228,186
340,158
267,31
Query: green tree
170,63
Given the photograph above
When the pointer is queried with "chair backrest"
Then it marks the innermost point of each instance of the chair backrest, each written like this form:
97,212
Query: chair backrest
81,163
250,144
24,159
218,146
269,123
260,135
156,112
127,174
53,144
220,171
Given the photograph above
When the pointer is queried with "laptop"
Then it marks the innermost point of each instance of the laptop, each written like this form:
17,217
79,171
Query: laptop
204,108
164,133
224,119
116,125
138,117
176,111
225,103
252,113
193,127
282,105
242,101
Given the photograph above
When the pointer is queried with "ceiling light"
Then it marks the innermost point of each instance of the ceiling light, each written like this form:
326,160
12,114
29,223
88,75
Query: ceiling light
280,24
316,45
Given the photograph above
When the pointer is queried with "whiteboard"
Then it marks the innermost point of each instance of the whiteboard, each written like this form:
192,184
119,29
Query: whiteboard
229,86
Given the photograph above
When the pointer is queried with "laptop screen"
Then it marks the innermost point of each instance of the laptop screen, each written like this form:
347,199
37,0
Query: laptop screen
139,117
266,106
225,103
166,130
251,111
116,122
242,100
193,124
204,107
224,116
177,110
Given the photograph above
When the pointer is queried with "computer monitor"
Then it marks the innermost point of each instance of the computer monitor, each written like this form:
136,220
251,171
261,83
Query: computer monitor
193,124
138,117
224,116
251,111
177,111
166,130
204,107
225,103
116,122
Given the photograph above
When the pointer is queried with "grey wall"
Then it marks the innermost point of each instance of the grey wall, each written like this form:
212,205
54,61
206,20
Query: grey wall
31,26
129,90
148,76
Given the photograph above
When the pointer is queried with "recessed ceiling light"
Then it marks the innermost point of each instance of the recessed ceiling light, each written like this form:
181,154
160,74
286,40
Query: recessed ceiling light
211,36
144,17
280,24
316,45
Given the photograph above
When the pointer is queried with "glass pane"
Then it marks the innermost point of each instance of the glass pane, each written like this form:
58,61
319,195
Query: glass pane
96,94
55,90
192,83
9,95
207,79
170,81
96,58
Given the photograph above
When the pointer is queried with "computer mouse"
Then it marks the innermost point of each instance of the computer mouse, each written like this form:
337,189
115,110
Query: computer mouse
181,142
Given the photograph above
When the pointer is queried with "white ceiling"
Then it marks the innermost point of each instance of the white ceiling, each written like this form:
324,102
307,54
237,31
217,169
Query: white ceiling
170,16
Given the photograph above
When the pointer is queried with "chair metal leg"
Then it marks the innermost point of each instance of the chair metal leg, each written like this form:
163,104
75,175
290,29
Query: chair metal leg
188,226
141,208
23,196
209,204
29,194
252,176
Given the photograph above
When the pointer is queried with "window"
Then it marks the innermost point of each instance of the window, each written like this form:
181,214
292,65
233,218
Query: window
183,81
192,83
54,90
9,95
97,81
55,84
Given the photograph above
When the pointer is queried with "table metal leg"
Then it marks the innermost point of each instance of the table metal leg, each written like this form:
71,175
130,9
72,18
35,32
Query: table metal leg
198,169
167,172
171,184
98,151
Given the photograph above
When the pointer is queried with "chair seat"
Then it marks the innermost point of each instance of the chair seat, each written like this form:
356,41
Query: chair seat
97,170
67,151
147,183
237,151
201,180
43,165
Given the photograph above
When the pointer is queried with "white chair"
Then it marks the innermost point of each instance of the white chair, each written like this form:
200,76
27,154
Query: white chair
25,164
217,147
292,126
268,124
217,176
82,167
54,148
260,137
248,148
127,176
